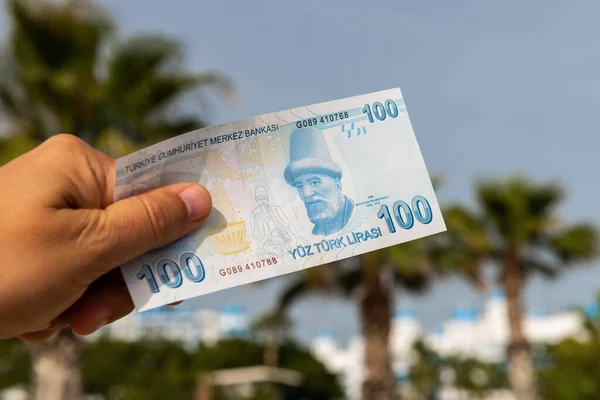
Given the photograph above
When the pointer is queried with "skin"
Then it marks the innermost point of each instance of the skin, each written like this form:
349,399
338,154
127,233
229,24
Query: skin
322,196
62,237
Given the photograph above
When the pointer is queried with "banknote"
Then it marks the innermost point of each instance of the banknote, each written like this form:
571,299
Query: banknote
291,190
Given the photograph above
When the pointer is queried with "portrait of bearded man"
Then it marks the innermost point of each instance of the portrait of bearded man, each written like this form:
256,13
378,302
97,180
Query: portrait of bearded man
317,179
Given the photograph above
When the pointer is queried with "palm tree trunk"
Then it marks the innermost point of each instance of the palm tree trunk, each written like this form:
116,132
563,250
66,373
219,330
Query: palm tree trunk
271,352
56,368
376,314
521,374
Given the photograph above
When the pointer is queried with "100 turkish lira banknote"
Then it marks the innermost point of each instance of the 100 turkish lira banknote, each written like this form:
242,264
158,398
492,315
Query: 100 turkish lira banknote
291,190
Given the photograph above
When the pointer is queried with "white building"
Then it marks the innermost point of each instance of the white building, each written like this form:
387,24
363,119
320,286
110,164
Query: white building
480,334
182,323
468,333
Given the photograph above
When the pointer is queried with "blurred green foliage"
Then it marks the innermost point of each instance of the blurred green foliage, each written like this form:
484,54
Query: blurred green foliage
469,374
160,369
64,69
138,370
318,383
15,365
572,370
574,373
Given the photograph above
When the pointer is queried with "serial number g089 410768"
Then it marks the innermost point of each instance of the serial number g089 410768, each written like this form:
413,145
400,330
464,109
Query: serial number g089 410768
238,269
170,272
323,119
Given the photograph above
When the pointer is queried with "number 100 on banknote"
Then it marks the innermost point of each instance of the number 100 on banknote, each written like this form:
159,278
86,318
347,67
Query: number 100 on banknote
291,190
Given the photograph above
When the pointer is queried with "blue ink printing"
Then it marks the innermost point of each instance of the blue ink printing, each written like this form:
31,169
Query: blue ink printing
317,178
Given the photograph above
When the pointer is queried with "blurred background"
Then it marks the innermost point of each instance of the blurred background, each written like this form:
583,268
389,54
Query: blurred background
503,100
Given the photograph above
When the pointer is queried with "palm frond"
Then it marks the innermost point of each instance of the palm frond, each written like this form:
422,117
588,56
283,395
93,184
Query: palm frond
493,200
158,130
411,264
145,85
518,209
349,280
300,287
57,35
139,59
276,319
577,243
543,198
467,230
542,267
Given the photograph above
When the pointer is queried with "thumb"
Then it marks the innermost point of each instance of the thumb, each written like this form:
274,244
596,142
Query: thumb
153,219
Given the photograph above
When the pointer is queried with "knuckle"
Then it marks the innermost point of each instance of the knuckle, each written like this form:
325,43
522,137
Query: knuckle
65,141
65,150
101,235
96,235
157,217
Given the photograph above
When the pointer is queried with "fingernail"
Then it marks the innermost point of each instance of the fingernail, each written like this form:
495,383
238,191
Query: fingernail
198,201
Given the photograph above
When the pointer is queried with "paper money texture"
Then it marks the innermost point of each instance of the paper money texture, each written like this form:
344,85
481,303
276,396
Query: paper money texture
291,190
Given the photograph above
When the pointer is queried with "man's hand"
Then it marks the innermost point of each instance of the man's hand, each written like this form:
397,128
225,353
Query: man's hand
62,237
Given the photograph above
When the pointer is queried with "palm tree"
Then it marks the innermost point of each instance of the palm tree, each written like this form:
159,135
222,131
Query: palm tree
63,70
274,327
372,276
515,227
470,375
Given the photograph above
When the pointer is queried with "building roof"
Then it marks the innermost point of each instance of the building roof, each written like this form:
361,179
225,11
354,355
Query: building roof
253,374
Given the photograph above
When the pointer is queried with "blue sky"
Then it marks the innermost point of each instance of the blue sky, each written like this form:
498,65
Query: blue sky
491,88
